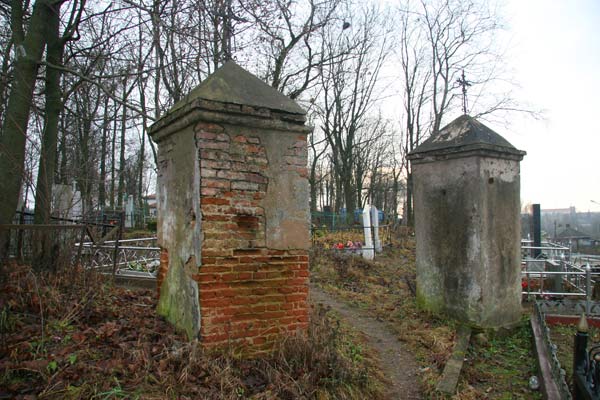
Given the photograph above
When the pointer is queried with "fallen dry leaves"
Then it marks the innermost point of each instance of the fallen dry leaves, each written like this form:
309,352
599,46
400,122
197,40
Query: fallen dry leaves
73,335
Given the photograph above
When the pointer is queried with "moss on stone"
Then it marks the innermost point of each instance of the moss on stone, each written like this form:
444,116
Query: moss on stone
178,301
429,303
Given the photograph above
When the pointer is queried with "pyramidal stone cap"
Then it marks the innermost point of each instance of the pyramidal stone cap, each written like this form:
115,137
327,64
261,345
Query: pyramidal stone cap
233,84
465,135
234,96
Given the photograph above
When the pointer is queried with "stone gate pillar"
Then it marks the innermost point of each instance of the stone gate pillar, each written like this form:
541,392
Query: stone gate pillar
233,212
467,223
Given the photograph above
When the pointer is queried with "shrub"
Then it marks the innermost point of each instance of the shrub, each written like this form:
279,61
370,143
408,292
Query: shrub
151,225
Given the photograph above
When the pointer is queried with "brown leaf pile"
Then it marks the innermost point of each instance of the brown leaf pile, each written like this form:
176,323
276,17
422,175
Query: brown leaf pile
74,335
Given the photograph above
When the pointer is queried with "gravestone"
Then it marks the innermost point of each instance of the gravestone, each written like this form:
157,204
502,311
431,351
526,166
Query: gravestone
375,228
368,251
233,212
467,224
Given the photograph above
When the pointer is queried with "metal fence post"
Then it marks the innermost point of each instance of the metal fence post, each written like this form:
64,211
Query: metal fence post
119,236
80,247
588,288
580,358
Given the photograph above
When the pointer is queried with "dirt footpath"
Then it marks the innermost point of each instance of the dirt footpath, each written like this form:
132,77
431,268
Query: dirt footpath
397,364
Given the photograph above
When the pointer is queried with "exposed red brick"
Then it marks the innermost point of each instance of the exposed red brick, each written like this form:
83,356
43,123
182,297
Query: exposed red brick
216,217
207,126
208,191
213,145
206,135
224,164
249,295
247,252
215,200
216,183
214,155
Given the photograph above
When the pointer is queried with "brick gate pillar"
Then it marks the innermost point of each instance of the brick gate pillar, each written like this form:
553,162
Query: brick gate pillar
233,202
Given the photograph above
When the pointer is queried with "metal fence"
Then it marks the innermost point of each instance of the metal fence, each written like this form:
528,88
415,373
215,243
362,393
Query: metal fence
586,367
60,238
333,221
24,241
557,371
557,273
134,257
348,239
547,250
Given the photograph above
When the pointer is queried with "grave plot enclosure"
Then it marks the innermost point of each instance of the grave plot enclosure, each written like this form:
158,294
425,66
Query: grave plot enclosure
233,212
467,223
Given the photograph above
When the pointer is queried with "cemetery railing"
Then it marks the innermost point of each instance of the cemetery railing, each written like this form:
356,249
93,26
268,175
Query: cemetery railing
556,370
138,257
66,233
586,367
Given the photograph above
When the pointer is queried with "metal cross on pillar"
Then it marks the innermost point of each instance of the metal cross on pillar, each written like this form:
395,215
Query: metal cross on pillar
464,83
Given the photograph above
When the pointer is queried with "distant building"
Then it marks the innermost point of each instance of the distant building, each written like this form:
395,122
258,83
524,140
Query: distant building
575,239
559,211
559,220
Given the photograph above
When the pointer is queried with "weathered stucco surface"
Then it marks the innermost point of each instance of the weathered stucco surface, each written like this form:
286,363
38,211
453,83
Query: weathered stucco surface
467,223
467,227
179,233
287,200
234,213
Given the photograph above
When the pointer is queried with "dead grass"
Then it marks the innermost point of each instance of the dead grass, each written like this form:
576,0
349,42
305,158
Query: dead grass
73,335
386,288
563,337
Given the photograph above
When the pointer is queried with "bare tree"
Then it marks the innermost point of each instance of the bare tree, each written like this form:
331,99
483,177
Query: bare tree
53,104
416,77
317,147
441,41
460,37
349,92
29,44
290,36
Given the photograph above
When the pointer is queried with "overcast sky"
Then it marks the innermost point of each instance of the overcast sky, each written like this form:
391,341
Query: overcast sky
555,53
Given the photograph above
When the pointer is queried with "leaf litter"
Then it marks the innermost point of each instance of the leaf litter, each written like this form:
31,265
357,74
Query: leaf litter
74,335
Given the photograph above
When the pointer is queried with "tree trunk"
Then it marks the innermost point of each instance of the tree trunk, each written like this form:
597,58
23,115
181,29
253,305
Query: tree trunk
395,188
102,183
43,191
4,77
141,175
63,155
121,189
410,215
85,133
112,161
45,179
14,129
312,181
349,195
